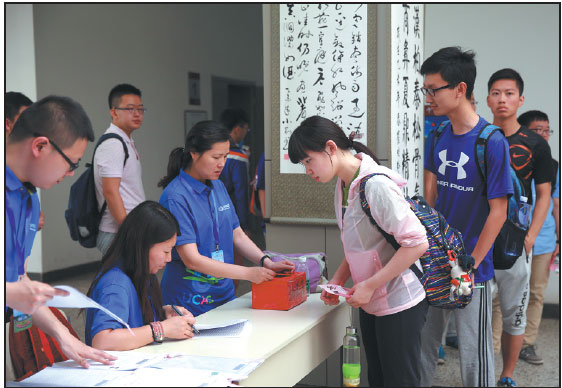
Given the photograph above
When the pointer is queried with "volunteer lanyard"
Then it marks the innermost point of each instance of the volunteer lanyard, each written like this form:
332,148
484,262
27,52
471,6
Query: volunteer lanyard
215,220
214,217
19,245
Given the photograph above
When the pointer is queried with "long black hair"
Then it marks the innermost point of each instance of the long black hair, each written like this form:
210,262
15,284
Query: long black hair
312,135
200,138
147,224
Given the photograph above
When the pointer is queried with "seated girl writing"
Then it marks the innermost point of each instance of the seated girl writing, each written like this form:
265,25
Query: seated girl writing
127,285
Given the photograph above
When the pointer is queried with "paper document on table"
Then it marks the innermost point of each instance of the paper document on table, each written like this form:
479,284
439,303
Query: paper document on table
143,377
78,300
236,328
230,366
126,360
335,289
172,377
73,377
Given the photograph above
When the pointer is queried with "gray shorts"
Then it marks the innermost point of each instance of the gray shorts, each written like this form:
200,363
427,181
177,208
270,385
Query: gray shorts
104,241
513,293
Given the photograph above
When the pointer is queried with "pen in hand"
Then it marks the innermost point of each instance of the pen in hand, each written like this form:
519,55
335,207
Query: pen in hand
181,315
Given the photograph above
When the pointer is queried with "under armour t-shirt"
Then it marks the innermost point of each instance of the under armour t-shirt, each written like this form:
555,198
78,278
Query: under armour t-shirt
462,196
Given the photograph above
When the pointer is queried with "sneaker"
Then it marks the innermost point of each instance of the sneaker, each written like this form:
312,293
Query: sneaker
452,341
506,382
441,357
529,355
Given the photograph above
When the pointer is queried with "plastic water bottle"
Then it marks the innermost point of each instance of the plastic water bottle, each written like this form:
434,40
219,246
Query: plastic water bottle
300,266
523,213
351,367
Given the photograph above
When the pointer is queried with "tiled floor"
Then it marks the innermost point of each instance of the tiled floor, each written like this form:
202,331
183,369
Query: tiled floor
448,374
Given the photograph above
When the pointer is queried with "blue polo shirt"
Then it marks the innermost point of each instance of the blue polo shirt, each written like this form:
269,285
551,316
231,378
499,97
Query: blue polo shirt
462,195
193,204
22,217
546,239
116,292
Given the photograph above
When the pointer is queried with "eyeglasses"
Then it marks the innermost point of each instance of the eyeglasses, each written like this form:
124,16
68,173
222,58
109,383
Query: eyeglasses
133,110
73,166
541,131
432,91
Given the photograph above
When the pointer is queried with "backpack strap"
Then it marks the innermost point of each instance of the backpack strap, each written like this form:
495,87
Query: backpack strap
111,136
480,151
101,140
437,133
367,210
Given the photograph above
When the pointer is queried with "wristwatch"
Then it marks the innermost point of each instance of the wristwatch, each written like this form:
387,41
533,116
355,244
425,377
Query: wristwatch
263,258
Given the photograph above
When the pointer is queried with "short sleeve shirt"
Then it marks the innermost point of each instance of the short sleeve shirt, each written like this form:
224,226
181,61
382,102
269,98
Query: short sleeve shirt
22,219
108,162
191,202
462,196
546,239
530,157
116,292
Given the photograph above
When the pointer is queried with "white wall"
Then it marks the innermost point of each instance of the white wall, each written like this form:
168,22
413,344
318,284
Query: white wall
20,77
525,37
83,50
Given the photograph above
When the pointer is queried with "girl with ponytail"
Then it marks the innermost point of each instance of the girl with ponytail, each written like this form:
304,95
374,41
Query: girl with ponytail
390,298
199,277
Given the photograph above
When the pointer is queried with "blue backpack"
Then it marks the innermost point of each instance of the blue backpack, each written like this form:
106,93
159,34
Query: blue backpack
445,243
83,216
509,243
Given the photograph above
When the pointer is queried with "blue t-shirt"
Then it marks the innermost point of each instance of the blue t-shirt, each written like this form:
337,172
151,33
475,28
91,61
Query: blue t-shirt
116,292
546,239
260,175
234,175
22,218
191,202
461,195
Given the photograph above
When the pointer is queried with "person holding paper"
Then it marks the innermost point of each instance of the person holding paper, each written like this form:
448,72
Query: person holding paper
199,277
392,301
126,284
44,146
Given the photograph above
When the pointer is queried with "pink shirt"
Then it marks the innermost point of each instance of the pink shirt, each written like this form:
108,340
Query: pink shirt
108,163
366,249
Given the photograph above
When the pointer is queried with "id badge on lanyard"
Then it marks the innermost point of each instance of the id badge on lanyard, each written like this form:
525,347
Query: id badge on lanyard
218,254
22,321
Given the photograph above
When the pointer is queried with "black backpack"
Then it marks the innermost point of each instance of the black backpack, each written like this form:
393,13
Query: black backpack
82,216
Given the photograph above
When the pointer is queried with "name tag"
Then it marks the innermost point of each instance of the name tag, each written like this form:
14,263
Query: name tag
22,321
218,256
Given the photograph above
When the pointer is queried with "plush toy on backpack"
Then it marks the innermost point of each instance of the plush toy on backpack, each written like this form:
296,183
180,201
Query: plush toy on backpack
460,278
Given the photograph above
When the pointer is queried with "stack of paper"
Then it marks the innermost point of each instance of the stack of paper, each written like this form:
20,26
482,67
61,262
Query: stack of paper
133,369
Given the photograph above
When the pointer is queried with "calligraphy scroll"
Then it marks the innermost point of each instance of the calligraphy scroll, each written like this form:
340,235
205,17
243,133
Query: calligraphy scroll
323,69
407,101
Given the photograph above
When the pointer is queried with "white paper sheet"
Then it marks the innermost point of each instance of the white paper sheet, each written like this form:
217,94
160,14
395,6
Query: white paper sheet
335,289
74,377
78,300
126,360
230,366
237,328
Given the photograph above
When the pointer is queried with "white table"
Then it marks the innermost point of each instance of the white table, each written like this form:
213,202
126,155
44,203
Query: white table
292,342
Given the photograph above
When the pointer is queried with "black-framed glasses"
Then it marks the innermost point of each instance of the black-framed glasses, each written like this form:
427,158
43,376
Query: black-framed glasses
542,131
73,166
432,91
133,110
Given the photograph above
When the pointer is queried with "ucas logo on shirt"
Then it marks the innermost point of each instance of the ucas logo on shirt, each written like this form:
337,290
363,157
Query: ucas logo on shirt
224,207
461,173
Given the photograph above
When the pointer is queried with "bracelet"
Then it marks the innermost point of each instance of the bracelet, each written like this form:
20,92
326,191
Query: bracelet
263,259
157,331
